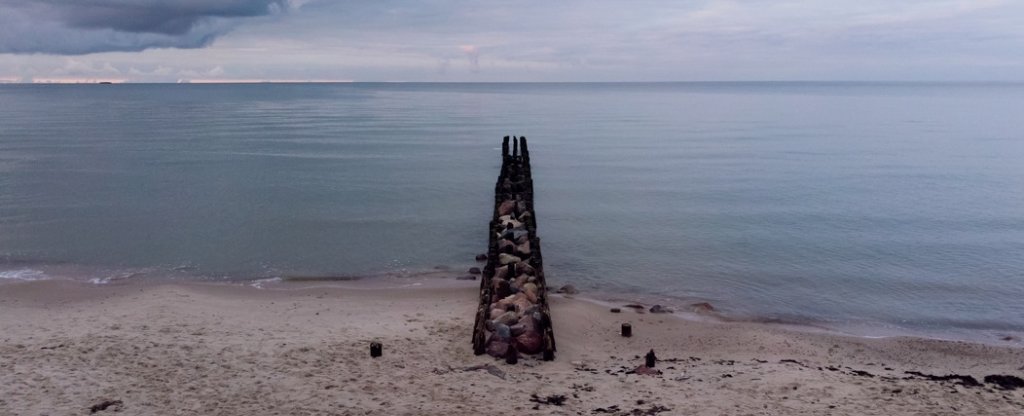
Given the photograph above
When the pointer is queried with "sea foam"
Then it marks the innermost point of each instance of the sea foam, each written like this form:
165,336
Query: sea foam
23,274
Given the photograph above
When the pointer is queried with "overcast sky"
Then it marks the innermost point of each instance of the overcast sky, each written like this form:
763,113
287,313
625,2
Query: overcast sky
482,40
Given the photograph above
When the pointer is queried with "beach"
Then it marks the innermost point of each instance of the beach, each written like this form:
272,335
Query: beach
187,348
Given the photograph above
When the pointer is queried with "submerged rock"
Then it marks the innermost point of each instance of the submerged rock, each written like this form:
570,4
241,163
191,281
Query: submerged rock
703,307
474,270
568,290
481,257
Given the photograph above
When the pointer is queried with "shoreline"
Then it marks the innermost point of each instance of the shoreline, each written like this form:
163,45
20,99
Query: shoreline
189,348
445,276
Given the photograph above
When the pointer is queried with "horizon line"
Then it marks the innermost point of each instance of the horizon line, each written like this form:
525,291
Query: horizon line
250,82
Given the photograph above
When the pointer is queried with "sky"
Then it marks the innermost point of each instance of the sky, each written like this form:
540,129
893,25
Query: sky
527,40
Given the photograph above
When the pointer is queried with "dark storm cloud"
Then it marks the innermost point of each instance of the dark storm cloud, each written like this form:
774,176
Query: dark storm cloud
88,26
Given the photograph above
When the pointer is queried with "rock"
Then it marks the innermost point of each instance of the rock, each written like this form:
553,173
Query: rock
111,405
522,302
503,244
507,318
568,290
524,267
616,310
467,277
524,249
506,207
644,370
528,342
497,348
635,306
503,332
703,307
530,290
1005,382
481,257
508,258
660,309
474,270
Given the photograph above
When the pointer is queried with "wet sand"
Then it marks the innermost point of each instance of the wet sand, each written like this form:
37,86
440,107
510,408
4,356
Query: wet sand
142,348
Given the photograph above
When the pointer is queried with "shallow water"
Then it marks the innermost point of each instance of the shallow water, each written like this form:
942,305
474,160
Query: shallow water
866,205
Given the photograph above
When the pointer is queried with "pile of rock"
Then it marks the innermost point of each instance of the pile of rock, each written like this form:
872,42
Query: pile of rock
514,317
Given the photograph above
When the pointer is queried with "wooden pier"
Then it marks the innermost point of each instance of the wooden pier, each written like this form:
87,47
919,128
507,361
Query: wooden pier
513,318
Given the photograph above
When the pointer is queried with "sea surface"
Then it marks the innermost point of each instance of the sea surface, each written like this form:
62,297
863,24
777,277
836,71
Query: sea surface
887,207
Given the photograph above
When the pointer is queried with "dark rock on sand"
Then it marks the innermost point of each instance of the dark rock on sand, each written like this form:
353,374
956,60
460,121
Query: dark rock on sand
568,290
616,310
474,270
111,405
467,277
660,309
1005,382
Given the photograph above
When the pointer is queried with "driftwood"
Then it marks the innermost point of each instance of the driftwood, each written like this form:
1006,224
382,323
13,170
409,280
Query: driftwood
513,317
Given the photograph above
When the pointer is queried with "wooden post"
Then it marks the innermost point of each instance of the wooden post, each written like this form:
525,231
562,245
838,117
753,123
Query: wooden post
651,359
627,330
376,349
511,355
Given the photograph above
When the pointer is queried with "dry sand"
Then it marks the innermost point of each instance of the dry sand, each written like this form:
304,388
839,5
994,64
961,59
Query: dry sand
191,349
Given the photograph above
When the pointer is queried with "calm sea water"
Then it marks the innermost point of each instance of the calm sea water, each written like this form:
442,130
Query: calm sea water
886,205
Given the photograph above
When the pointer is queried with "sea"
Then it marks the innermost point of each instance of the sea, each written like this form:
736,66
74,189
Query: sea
871,208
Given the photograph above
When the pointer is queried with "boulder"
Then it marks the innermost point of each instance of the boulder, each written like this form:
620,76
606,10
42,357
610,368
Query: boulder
529,342
508,318
503,332
568,290
660,309
521,301
501,273
524,249
506,207
481,257
503,243
467,277
474,270
497,348
508,258
703,307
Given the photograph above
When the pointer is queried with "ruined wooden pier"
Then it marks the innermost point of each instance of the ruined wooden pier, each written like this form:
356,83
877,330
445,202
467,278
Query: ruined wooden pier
513,317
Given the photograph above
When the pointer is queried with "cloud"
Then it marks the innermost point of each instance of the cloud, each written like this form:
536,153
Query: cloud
90,26
529,40
472,53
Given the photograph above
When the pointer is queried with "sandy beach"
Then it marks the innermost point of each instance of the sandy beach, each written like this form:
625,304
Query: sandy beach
199,349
